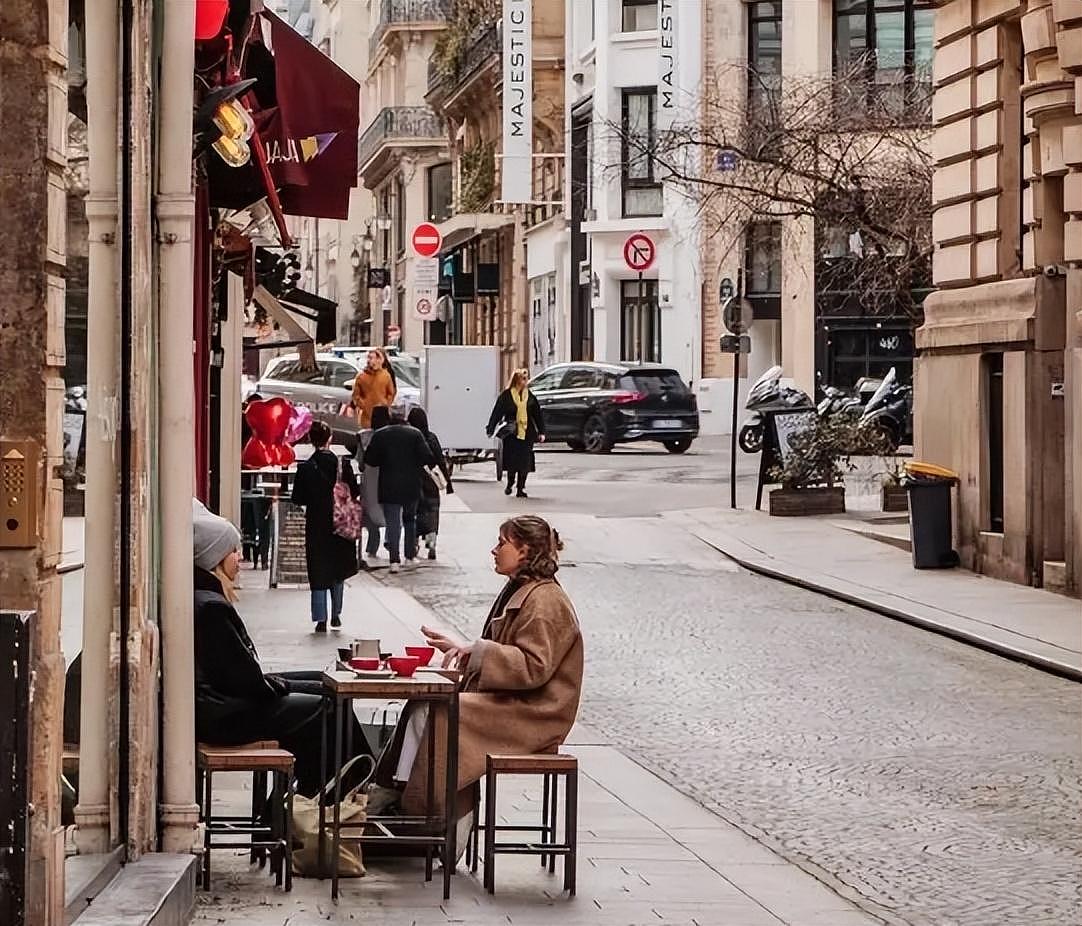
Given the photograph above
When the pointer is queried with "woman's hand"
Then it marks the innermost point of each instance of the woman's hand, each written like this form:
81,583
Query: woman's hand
540,438
456,652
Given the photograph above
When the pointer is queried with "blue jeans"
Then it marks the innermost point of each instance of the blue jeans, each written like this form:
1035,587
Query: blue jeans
319,602
399,517
371,546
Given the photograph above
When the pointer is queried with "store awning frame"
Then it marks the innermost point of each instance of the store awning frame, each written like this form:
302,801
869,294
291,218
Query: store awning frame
462,229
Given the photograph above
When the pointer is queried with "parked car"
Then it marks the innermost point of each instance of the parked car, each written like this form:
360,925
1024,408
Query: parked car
593,406
406,367
326,388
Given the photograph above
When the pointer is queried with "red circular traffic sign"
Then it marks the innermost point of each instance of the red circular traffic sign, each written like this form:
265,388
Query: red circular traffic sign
639,252
427,240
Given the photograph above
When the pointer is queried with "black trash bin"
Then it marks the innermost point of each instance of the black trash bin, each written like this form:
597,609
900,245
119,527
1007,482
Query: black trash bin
930,515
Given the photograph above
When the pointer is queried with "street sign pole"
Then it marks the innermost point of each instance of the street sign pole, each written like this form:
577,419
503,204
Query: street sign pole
736,314
641,312
732,434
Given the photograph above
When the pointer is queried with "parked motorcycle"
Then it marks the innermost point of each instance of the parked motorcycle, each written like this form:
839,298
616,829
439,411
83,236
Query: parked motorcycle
889,411
848,403
767,394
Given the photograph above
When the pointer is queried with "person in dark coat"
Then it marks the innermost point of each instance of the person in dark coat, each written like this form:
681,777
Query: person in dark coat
330,559
235,701
428,508
401,453
518,409
372,517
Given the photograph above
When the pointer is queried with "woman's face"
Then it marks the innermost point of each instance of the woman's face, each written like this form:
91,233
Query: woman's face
231,565
375,360
508,556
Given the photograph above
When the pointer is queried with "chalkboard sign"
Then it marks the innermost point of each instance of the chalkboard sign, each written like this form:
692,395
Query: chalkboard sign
786,424
288,565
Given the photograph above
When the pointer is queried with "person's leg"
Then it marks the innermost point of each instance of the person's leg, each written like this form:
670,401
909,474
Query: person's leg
521,483
372,546
393,516
337,593
319,606
409,524
510,482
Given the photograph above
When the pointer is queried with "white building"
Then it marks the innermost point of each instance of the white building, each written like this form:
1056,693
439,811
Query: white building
615,191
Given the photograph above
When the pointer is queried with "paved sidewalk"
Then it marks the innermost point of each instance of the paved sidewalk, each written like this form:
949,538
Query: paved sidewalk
648,855
1035,626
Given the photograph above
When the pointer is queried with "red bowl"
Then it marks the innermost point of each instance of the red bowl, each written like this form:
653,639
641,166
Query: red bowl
403,665
364,663
422,653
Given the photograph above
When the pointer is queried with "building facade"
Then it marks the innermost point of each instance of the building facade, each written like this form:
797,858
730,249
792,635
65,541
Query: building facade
1002,340
615,189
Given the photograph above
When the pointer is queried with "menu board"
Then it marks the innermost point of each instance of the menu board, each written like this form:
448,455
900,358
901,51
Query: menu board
786,424
288,565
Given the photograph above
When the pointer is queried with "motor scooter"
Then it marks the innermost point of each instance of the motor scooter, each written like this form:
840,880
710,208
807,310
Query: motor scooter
889,411
767,394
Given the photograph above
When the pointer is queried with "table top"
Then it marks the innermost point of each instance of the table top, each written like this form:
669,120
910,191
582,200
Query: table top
348,684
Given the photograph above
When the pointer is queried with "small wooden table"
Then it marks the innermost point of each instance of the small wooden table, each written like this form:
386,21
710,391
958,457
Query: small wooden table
430,830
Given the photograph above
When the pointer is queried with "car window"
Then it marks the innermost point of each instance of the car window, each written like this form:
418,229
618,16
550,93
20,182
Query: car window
339,375
294,371
547,381
581,378
653,382
407,371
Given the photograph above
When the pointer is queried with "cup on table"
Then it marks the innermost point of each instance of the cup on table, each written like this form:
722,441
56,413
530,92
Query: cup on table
365,649
423,653
404,666
364,663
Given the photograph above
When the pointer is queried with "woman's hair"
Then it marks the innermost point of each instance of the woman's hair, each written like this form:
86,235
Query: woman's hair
519,376
418,419
319,434
229,590
381,417
541,542
387,365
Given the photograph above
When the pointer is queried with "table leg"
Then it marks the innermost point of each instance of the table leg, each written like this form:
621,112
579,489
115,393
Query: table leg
336,837
321,839
430,788
451,799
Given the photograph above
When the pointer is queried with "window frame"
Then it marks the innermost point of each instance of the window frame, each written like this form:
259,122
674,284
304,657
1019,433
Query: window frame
756,89
626,5
430,173
650,182
399,216
649,307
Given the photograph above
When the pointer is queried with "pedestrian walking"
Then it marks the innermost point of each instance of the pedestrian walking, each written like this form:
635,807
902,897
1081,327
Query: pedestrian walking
401,453
331,559
428,508
372,518
235,701
373,386
516,418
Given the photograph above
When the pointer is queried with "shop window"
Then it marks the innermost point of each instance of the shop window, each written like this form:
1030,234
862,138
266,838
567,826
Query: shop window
638,15
886,45
762,268
640,321
641,189
993,429
440,194
764,56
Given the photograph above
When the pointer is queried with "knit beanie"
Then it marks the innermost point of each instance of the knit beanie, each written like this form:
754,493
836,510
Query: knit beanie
213,538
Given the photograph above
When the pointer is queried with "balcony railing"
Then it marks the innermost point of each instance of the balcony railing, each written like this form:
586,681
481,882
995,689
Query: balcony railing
484,44
405,12
399,125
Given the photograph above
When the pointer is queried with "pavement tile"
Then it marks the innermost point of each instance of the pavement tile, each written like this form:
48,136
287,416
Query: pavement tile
719,847
787,891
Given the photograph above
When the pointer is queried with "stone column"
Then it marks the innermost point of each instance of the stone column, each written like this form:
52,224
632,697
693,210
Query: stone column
33,111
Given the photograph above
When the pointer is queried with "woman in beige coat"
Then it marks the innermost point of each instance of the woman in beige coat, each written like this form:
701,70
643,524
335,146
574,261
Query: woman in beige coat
522,678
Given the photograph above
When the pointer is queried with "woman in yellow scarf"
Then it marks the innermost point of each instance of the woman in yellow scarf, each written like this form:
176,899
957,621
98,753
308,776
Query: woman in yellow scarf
517,420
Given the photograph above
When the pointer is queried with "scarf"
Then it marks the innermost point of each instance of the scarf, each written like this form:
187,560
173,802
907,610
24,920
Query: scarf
521,415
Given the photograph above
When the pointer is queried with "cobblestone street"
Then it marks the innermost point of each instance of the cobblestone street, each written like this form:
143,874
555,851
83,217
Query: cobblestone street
928,780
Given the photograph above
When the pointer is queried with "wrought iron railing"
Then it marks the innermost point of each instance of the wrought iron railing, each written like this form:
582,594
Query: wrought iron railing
481,48
397,124
403,12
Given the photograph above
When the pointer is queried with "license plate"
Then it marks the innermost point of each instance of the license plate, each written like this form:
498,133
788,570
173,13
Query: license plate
668,423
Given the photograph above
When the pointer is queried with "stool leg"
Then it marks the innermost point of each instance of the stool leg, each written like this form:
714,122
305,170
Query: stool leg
475,829
571,831
546,836
208,821
259,803
289,830
277,817
553,805
490,832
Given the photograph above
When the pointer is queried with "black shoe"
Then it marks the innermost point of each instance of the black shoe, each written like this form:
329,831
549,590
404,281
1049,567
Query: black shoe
336,622
432,553
320,627
507,491
521,493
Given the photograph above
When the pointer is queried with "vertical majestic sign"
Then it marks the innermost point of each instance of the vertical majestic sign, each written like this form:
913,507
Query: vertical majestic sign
517,165
667,81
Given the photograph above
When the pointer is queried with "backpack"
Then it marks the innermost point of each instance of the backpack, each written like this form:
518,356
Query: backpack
346,516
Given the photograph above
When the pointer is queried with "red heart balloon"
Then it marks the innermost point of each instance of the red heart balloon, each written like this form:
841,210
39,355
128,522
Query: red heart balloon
282,454
256,454
269,419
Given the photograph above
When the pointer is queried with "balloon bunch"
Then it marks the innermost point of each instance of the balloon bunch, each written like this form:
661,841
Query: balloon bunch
269,421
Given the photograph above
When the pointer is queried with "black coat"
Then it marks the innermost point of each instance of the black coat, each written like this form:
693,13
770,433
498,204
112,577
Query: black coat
330,558
401,452
518,454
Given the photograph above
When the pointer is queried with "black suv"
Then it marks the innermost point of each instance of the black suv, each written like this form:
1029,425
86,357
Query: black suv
592,406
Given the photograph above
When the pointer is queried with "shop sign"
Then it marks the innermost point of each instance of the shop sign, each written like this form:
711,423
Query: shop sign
516,168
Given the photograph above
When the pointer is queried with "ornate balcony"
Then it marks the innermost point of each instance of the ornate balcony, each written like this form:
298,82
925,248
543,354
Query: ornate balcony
480,51
406,13
398,127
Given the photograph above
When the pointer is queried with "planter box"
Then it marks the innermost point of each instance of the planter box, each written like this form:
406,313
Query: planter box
895,498
803,502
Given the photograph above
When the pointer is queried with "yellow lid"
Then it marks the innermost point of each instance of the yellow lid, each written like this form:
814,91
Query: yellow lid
917,468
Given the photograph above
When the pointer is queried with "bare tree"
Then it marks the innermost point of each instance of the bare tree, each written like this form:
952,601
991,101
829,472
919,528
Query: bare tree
851,155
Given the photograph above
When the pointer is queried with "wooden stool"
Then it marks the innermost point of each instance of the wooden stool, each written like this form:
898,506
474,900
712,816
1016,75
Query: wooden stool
552,767
261,759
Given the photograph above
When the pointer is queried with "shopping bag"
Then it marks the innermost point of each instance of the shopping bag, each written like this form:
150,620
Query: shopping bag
353,808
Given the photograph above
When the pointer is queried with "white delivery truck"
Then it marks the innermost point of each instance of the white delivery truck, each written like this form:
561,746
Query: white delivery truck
460,387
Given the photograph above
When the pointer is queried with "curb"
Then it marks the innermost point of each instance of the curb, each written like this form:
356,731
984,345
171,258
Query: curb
1034,660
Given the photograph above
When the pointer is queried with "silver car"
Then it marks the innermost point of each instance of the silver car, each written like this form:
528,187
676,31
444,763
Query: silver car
326,388
406,369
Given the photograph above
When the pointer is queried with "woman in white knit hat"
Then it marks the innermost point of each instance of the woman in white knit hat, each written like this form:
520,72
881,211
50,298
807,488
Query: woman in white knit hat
235,702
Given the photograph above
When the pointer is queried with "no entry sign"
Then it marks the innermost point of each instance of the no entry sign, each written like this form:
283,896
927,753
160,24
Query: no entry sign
427,240
639,252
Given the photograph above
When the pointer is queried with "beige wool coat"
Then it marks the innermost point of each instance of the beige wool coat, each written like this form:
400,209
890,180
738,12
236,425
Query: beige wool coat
520,691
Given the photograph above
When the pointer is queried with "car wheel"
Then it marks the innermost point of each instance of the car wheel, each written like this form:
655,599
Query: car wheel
677,446
595,435
751,438
577,445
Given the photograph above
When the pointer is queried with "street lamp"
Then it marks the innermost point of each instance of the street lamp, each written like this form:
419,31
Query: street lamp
360,260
